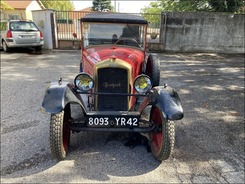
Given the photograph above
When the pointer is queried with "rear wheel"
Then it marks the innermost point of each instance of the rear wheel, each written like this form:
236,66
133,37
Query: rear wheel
5,47
60,133
38,48
162,142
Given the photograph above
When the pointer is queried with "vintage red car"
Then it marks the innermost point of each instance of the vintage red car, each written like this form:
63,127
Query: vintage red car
117,87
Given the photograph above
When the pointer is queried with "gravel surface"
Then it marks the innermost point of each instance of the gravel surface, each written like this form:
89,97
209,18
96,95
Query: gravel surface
209,140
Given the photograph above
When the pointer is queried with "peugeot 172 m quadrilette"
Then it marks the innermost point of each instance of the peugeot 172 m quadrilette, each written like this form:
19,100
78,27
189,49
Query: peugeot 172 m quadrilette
117,89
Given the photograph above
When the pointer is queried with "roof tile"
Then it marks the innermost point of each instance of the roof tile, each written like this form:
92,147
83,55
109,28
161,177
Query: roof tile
18,4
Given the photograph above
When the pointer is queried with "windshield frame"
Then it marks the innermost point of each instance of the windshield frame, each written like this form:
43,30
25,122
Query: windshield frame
113,31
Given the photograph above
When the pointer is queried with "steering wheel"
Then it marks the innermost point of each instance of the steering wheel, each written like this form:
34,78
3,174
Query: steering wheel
128,41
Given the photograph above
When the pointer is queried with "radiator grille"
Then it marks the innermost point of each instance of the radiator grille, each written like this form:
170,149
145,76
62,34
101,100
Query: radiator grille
112,80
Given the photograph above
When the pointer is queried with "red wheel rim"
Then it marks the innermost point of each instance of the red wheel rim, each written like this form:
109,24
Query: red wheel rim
66,132
66,135
156,137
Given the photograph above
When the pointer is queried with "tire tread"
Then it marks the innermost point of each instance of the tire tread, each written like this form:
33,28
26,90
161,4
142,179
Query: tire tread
56,139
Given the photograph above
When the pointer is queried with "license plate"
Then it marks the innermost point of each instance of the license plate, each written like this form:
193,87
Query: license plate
27,36
112,121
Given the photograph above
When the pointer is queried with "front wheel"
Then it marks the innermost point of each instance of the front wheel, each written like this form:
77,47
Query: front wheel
60,133
161,142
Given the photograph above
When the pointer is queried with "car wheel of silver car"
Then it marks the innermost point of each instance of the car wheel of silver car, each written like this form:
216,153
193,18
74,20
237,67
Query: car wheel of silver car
153,69
39,48
5,47
60,133
162,141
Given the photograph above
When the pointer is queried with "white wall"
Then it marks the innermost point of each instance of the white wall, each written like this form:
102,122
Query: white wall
204,32
32,6
42,19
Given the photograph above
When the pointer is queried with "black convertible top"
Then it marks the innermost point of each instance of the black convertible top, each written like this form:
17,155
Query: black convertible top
114,18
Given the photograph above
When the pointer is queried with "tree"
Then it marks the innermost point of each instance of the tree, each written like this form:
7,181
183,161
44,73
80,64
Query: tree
154,8
195,5
226,5
58,5
180,6
5,6
150,13
102,5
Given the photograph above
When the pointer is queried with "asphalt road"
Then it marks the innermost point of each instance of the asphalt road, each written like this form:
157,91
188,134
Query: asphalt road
209,140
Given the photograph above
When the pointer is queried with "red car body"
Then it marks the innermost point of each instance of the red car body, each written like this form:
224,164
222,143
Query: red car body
134,57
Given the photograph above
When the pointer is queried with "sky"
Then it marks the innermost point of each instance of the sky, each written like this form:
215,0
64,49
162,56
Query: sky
122,6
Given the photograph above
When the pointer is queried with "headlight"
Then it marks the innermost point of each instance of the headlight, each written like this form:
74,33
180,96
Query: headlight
142,84
84,82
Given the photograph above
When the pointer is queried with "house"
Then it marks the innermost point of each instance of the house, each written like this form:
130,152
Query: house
22,9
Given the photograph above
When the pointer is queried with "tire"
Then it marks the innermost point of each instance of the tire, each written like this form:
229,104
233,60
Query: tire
5,47
161,143
153,69
60,134
39,48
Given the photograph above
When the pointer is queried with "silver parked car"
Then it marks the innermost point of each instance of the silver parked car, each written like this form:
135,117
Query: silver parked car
20,33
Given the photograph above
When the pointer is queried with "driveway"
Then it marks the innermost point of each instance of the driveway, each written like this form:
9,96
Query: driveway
209,140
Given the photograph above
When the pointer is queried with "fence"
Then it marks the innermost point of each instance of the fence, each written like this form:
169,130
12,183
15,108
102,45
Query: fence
68,23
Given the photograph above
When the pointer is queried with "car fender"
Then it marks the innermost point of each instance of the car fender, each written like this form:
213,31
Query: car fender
167,99
58,95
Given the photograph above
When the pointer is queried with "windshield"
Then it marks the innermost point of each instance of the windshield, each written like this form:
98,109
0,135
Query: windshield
23,26
109,33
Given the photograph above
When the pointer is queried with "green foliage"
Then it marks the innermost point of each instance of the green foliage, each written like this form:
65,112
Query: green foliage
102,5
5,6
154,8
184,5
226,5
232,6
152,14
58,5
3,26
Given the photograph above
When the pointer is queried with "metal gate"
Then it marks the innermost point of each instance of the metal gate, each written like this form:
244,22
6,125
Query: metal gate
69,32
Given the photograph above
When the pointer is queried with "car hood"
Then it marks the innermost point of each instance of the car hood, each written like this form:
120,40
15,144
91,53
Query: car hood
101,53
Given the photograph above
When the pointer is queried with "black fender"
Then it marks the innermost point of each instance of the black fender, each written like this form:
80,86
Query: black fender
165,98
58,95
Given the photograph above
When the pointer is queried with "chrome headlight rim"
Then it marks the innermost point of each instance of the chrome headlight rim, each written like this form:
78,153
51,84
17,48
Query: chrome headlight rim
148,82
82,87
